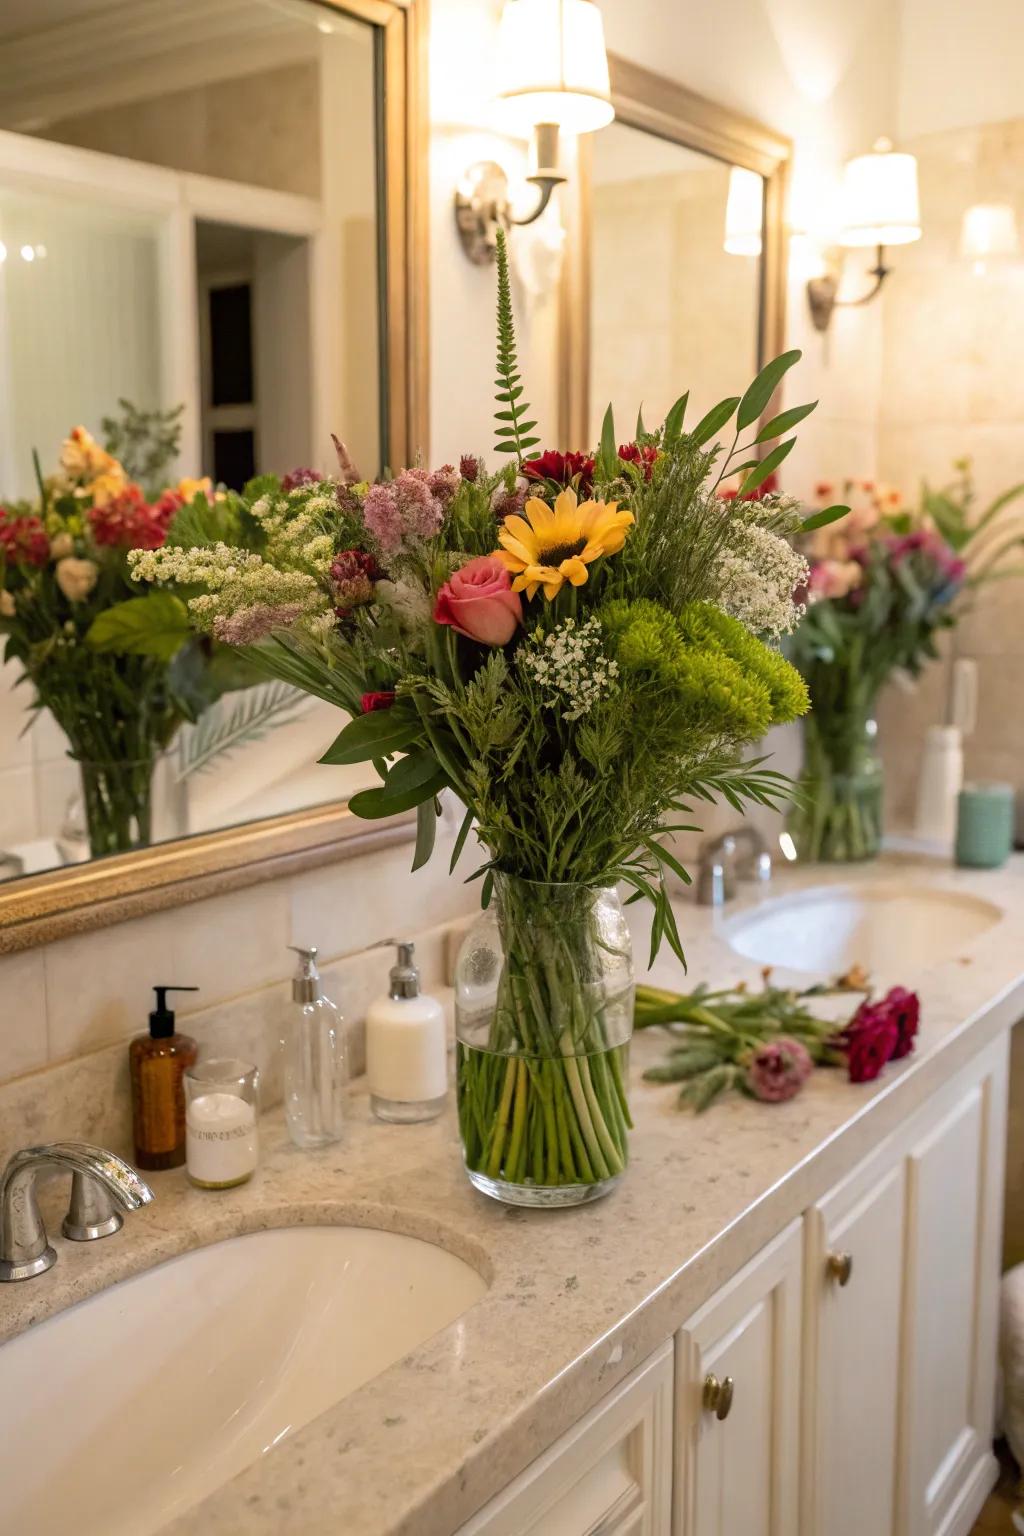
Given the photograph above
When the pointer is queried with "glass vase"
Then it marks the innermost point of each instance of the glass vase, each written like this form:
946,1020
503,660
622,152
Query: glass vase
837,816
544,1014
117,801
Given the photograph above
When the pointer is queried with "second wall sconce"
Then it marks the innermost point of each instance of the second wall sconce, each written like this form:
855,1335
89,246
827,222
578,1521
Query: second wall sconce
880,207
554,78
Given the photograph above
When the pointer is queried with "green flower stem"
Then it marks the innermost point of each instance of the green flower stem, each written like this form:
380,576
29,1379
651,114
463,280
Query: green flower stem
543,1098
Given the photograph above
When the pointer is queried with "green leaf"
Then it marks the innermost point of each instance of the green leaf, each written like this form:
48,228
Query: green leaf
783,423
411,772
768,464
640,423
377,734
607,466
674,419
460,841
372,805
715,420
823,518
763,387
154,625
426,831
511,438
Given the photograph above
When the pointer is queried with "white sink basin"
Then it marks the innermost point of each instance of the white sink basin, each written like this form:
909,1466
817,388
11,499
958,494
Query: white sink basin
889,928
132,1406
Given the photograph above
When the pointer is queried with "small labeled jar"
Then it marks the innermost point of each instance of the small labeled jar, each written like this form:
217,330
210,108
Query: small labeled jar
221,1135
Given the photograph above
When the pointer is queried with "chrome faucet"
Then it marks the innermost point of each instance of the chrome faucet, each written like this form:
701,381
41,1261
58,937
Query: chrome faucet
101,1182
721,865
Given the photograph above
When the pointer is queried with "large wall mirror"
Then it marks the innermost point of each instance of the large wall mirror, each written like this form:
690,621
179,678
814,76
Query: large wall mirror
698,301
209,252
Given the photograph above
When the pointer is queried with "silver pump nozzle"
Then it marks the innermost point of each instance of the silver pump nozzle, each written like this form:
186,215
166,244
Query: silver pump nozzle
405,978
306,984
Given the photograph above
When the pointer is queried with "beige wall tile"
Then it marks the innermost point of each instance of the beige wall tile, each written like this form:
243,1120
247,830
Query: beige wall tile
99,984
23,1042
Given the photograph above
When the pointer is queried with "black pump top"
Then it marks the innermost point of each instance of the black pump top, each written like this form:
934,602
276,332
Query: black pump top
161,1020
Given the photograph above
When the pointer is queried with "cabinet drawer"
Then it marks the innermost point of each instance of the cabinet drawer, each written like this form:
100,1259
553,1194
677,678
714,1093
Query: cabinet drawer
610,1475
736,1473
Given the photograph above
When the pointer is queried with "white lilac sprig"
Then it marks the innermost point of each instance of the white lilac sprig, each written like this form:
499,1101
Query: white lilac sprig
570,666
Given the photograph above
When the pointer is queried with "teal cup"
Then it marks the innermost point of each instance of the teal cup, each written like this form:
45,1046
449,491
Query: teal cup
984,825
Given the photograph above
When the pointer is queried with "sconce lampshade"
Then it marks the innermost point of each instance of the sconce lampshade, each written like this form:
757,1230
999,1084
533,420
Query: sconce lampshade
880,202
744,212
553,66
989,230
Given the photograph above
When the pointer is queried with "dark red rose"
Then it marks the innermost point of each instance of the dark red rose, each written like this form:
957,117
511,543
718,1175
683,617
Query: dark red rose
869,1041
383,699
632,453
23,540
905,1011
561,468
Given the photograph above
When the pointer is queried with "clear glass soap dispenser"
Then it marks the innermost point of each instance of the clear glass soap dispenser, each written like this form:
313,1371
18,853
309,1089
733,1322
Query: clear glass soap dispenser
314,1060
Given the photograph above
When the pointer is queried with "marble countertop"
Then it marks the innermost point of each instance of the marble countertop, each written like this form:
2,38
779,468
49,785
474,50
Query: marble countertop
576,1298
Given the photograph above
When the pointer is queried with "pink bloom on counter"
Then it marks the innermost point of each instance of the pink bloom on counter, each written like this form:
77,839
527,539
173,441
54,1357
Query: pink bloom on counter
479,603
778,1069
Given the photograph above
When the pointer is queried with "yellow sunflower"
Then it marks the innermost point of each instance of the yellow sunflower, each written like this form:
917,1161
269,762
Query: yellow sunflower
548,547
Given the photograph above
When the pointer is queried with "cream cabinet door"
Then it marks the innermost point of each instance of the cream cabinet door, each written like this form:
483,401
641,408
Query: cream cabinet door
610,1475
737,1402
954,1220
853,1281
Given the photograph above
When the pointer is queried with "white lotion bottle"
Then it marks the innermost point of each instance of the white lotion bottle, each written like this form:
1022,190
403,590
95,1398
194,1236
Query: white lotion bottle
406,1048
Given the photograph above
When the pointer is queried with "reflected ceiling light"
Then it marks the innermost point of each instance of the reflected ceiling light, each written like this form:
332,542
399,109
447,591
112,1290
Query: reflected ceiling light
744,212
28,253
553,77
989,233
879,206
3,251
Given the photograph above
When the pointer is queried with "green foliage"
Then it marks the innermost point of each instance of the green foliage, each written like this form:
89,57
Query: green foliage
155,625
512,434
145,442
226,727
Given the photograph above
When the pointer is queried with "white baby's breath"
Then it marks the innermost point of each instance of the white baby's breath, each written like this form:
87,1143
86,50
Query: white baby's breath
570,666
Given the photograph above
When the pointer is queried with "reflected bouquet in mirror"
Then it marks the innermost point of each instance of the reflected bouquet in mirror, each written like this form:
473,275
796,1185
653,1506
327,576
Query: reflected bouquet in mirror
578,647
881,586
64,591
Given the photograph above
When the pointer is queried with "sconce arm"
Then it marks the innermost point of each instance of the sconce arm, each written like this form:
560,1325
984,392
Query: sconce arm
822,291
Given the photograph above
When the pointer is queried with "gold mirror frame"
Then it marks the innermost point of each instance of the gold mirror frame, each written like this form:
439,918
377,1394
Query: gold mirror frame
657,105
36,909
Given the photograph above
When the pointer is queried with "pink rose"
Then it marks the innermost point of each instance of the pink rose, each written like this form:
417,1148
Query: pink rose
479,603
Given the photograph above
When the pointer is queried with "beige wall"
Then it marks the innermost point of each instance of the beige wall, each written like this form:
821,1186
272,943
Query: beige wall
952,386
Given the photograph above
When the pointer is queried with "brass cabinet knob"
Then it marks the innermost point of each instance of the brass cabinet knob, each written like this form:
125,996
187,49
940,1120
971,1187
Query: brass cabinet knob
839,1267
718,1395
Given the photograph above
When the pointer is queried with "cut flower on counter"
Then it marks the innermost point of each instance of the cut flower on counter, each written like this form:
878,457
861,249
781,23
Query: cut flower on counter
767,1043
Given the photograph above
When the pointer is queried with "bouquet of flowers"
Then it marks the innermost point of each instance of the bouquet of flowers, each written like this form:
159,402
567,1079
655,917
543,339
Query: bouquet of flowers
75,622
881,586
578,646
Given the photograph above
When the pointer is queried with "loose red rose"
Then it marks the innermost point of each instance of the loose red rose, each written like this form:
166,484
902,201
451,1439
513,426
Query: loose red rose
869,1041
382,699
905,1011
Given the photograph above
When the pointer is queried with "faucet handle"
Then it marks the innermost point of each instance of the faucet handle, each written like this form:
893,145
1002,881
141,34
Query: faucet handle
91,1213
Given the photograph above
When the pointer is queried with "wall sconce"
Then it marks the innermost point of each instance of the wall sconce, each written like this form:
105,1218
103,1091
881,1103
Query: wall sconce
744,212
988,233
554,77
880,207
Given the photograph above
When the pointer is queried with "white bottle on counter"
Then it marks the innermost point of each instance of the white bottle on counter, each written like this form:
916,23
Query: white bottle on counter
406,1048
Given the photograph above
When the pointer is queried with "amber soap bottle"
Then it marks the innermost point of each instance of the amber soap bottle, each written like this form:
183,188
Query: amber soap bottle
157,1063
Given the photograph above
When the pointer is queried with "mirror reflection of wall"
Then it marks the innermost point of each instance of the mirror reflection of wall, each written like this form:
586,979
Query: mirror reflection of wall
195,222
674,309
